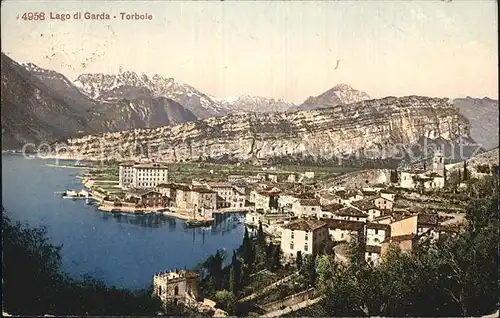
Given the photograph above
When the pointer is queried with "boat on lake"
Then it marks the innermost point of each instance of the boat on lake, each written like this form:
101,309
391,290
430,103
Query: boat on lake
72,194
198,223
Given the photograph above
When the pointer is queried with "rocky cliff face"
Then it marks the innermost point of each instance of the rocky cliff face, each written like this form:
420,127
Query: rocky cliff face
378,125
341,94
483,116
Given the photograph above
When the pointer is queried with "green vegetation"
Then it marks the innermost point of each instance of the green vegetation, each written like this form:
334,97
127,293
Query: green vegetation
455,276
251,264
35,284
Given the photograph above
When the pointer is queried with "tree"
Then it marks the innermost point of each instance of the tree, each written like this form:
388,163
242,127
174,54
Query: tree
298,260
394,176
227,300
465,175
248,250
236,265
232,282
455,276
261,238
34,283
276,257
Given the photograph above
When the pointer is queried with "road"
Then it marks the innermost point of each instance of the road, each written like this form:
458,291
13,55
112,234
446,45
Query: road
268,287
289,309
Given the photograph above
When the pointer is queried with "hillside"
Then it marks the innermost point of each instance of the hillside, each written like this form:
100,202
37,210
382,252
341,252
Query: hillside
378,125
483,116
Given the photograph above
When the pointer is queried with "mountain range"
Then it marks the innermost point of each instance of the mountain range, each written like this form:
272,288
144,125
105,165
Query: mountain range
44,105
374,128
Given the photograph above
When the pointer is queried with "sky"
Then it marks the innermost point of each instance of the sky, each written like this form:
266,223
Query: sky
276,49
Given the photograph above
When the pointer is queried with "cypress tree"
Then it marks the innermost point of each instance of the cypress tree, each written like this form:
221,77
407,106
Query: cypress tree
465,174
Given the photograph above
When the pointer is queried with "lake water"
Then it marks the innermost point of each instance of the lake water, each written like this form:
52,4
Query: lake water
124,251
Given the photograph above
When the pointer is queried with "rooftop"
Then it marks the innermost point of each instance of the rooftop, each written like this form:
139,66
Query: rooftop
344,224
378,226
304,225
332,207
364,204
309,202
151,166
202,189
176,274
350,211
215,184
388,191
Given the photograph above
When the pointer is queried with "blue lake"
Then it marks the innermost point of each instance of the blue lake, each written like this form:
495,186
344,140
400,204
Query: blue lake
120,250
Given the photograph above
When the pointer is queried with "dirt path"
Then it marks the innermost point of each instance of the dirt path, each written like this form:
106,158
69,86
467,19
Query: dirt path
268,287
289,309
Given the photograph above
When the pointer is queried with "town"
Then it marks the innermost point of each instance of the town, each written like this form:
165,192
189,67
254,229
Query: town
300,215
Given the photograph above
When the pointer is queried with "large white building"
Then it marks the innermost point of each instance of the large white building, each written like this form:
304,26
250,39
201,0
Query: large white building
303,235
179,286
144,175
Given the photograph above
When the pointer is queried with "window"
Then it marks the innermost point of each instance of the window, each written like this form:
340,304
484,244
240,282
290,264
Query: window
307,236
292,234
305,247
376,231
291,246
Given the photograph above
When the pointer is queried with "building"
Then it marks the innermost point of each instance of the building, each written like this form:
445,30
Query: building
286,201
376,233
306,207
406,179
291,178
369,207
167,189
183,197
224,192
202,199
125,174
228,196
149,175
345,231
404,242
176,286
328,198
388,194
351,214
143,175
309,174
328,211
429,180
272,177
415,225
373,254
148,198
306,236
383,203
235,178
265,201
438,164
